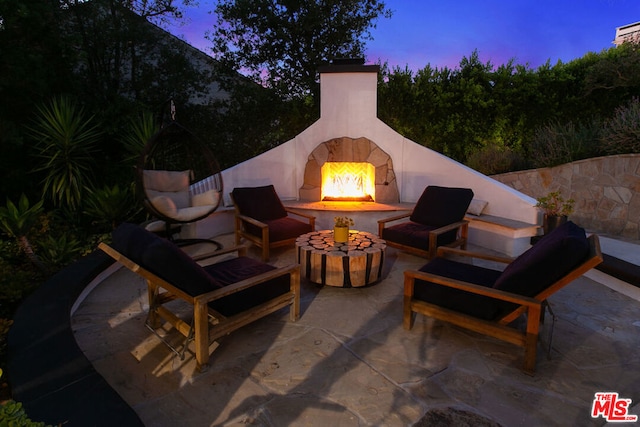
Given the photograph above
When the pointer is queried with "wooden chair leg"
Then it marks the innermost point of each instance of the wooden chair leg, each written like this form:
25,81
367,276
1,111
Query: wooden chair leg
531,339
464,234
294,309
433,246
265,244
201,326
407,315
153,319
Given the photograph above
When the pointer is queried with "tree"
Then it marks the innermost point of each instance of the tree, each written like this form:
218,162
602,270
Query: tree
280,43
121,54
33,66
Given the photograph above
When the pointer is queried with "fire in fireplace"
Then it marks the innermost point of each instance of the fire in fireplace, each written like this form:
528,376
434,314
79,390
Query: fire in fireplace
348,181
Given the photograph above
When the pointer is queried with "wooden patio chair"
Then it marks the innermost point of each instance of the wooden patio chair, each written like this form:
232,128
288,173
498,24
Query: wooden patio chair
436,220
225,295
488,301
262,219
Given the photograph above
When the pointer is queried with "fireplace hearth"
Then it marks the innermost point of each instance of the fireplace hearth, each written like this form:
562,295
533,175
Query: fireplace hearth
349,169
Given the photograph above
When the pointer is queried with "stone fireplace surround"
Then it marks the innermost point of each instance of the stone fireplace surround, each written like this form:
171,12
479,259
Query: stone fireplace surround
347,149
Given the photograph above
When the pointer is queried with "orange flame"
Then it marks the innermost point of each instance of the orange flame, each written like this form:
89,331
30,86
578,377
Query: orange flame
348,180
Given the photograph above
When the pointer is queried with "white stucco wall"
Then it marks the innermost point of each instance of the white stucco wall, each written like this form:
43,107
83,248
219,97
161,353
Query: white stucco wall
348,109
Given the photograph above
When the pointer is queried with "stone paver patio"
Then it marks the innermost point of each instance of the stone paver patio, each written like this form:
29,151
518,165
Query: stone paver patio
349,362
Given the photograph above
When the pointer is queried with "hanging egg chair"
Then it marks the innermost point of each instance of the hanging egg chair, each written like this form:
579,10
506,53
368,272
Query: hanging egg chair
178,178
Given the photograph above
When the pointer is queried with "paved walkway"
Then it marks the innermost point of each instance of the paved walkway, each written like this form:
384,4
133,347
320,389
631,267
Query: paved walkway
348,361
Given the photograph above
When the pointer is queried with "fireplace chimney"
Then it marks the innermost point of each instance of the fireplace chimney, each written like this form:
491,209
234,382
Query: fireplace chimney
348,90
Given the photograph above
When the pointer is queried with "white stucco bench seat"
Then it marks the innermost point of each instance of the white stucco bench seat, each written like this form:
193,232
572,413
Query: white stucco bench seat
508,236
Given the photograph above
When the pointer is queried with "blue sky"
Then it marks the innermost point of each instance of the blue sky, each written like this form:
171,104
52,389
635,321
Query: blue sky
442,32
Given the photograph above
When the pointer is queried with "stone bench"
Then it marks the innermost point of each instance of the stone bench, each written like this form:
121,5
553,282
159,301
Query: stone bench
48,371
504,235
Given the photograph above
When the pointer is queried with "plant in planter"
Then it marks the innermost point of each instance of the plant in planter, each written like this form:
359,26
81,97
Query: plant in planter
556,210
341,226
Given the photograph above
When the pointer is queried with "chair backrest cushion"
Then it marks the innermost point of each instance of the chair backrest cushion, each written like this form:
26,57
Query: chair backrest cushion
261,203
551,258
168,184
162,258
439,206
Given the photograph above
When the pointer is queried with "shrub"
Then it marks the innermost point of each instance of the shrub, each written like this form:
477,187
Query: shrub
621,133
56,252
558,143
493,159
109,206
12,414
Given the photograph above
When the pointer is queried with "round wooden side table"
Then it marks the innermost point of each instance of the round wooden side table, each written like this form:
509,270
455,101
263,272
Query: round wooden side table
355,263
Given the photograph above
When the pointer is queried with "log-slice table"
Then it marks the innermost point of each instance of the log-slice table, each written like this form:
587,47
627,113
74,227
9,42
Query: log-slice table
355,263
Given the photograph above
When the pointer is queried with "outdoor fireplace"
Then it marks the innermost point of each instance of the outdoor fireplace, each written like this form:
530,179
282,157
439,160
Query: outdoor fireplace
348,181
349,169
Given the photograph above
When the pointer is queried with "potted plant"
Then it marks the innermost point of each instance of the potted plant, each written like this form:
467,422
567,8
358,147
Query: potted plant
556,210
341,228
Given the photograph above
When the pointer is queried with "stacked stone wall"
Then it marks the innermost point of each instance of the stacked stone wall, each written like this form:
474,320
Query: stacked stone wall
606,191
347,149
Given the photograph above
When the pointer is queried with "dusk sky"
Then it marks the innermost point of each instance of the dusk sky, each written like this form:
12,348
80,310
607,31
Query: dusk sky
441,33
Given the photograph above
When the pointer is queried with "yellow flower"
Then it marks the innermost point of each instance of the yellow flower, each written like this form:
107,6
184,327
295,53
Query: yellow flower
343,221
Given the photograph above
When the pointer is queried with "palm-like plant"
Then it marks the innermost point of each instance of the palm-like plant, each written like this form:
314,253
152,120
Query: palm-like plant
66,142
140,131
111,205
18,220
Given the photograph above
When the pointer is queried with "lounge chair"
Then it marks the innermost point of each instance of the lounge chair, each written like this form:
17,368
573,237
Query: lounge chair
262,219
436,220
225,295
489,301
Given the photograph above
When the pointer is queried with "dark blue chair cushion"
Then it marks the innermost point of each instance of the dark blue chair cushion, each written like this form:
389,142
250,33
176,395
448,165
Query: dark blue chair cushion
162,258
237,269
439,206
286,228
415,235
261,203
455,299
280,229
132,240
551,258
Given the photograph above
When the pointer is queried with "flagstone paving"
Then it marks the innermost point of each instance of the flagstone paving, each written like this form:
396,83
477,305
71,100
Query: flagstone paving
349,362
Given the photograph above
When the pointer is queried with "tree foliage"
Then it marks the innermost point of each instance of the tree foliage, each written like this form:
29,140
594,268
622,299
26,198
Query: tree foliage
553,113
281,43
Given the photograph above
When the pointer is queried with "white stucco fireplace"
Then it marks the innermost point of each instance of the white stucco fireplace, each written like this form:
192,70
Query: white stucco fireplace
349,130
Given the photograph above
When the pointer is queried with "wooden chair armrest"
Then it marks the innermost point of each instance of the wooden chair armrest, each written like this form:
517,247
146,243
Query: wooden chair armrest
448,227
384,221
412,275
394,218
304,215
251,221
241,250
247,283
443,251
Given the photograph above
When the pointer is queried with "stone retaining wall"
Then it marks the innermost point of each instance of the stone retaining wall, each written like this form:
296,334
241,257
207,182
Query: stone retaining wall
606,191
